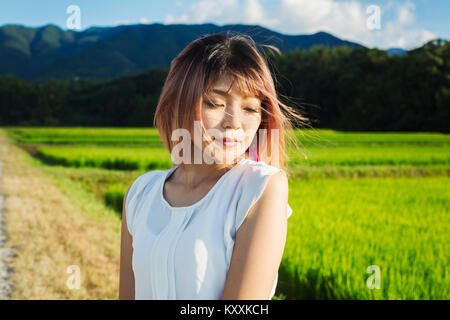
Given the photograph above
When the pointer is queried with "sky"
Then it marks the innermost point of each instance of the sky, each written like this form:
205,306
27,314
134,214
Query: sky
380,24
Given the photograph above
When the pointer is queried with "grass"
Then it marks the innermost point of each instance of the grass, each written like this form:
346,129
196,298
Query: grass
54,223
122,158
359,199
115,136
114,196
82,135
340,227
322,152
369,155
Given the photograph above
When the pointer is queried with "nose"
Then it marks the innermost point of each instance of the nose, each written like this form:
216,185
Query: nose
232,118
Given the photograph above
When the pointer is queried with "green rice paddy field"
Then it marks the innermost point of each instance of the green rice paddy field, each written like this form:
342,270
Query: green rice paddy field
359,199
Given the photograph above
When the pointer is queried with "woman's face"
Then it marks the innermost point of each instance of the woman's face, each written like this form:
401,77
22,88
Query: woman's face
231,119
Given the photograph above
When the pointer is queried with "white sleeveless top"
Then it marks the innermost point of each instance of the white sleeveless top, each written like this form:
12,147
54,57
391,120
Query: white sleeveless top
184,252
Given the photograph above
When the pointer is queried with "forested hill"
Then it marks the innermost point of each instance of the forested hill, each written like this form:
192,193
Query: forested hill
47,52
341,88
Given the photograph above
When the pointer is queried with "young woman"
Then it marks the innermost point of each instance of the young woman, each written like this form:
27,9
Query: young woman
214,225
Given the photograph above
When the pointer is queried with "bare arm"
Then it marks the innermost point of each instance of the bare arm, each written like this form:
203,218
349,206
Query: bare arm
259,244
126,282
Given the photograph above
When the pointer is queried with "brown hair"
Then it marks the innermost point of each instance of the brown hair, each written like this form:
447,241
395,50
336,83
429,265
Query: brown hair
199,65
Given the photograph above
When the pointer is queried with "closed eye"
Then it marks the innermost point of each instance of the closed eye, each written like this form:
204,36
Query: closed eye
249,109
212,105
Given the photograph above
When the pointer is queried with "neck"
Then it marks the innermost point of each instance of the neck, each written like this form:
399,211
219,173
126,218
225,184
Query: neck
191,175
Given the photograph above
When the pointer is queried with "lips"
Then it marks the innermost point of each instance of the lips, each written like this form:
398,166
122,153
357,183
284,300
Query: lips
229,142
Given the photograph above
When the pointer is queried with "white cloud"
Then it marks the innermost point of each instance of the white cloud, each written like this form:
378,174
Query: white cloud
208,11
405,15
399,32
345,19
144,20
224,12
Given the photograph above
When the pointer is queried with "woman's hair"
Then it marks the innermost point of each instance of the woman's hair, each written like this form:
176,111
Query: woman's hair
192,74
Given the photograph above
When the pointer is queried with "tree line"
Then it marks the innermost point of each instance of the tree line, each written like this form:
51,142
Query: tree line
339,88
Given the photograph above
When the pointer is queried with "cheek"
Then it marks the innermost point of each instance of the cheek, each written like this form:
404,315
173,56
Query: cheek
251,127
211,119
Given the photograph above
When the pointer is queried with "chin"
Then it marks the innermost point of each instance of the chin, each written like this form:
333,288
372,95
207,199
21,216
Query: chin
224,156
228,158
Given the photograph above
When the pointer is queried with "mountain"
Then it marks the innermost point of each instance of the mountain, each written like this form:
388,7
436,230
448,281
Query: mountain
49,52
396,51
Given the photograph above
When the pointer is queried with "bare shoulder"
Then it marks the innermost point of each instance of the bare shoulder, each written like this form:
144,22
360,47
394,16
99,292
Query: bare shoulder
274,197
276,189
126,193
259,244
124,216
278,183
125,198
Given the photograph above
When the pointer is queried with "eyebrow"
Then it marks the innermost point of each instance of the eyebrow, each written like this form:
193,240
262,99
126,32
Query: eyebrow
224,93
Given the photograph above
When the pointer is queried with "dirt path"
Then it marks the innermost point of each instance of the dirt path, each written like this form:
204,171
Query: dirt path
60,233
5,253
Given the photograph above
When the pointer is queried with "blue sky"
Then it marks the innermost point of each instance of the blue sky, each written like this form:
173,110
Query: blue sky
403,23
